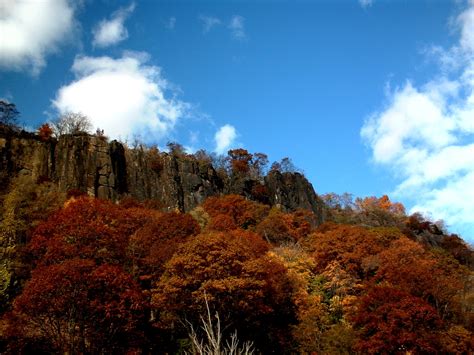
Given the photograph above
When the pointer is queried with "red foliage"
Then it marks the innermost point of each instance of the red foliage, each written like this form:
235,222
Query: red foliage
86,228
45,132
80,307
434,277
391,321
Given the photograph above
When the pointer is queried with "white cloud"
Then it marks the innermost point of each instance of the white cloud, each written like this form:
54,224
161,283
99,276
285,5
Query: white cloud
366,3
224,138
124,96
237,28
466,20
110,32
209,22
30,30
425,135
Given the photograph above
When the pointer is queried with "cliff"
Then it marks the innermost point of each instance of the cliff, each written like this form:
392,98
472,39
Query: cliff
110,170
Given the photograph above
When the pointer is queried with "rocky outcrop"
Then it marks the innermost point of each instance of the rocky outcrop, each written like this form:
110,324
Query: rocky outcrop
24,153
179,183
110,170
291,191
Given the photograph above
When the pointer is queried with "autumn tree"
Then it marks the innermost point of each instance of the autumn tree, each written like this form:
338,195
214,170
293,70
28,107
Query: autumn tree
391,321
156,242
322,301
87,228
79,307
231,270
279,227
457,340
459,249
25,206
340,208
239,160
238,211
368,211
45,132
379,212
353,247
439,279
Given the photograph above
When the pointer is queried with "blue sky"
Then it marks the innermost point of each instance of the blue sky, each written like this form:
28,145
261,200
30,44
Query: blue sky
368,97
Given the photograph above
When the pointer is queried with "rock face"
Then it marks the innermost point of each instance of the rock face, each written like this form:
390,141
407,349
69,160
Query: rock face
180,183
109,170
292,191
24,153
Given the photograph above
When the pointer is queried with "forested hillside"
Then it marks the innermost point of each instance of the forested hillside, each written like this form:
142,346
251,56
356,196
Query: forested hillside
130,274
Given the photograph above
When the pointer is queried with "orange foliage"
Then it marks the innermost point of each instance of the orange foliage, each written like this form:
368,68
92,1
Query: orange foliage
45,132
457,340
248,289
156,242
243,213
279,227
239,160
382,203
352,246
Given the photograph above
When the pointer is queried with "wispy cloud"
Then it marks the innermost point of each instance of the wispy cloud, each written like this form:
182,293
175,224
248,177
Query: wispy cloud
224,138
123,96
170,23
112,31
209,22
366,3
237,28
30,30
425,135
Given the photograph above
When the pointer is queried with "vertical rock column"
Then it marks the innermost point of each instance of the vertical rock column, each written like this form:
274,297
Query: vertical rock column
90,164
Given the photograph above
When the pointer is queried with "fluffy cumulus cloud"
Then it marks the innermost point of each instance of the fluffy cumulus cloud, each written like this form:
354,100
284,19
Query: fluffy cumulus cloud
237,27
112,31
224,138
124,96
30,30
426,135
